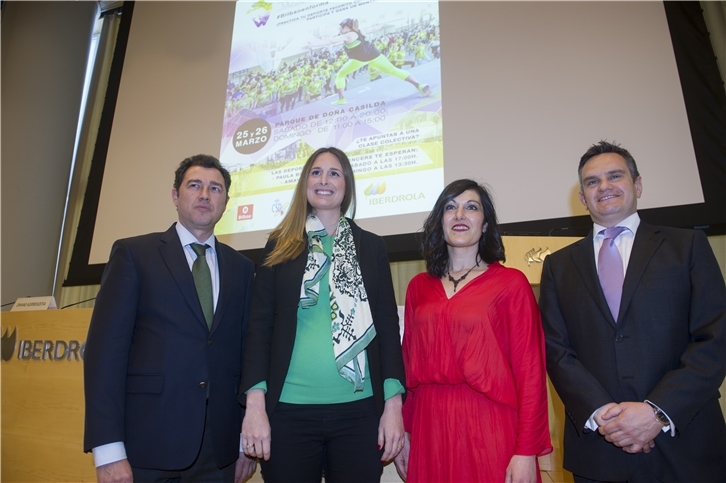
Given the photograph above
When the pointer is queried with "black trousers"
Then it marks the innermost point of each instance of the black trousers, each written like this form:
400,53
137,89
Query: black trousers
338,440
642,475
203,470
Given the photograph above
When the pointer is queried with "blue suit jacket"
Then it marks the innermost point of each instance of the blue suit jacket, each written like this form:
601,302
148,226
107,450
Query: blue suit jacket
668,346
151,361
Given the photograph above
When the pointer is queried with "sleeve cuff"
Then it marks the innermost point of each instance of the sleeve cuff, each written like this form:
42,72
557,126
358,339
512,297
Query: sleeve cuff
108,453
590,423
260,385
671,427
392,387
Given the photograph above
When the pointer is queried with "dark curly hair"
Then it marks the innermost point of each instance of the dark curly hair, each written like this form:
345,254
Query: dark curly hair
433,245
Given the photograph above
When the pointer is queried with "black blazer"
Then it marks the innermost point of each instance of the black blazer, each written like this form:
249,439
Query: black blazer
273,320
150,358
668,346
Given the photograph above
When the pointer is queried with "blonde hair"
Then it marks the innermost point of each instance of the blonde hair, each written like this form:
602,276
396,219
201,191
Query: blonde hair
290,235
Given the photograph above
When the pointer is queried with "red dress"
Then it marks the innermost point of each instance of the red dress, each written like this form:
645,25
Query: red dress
475,371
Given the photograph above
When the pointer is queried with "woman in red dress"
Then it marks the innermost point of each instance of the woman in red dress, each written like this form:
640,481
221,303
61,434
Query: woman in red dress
473,349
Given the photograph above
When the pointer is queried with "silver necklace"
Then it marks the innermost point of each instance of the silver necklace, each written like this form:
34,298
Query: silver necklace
456,281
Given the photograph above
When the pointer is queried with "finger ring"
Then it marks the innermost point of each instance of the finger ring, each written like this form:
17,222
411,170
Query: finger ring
400,445
249,445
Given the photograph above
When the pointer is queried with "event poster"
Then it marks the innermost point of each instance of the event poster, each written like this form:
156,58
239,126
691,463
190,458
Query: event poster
363,76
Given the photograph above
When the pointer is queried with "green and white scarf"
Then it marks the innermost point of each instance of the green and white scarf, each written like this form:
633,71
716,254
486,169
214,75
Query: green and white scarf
350,313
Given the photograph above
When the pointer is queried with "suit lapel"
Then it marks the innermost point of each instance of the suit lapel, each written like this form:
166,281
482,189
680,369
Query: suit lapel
647,240
583,255
176,262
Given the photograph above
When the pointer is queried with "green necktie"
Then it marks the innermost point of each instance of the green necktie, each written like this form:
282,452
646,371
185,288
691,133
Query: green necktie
203,281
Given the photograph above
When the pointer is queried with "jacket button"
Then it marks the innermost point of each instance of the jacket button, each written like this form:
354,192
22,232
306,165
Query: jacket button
619,338
202,384
209,342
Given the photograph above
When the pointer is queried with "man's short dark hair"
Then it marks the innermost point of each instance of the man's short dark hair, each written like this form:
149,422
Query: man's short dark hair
205,161
605,147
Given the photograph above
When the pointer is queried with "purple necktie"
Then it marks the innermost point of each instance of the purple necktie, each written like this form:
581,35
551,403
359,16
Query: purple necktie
610,269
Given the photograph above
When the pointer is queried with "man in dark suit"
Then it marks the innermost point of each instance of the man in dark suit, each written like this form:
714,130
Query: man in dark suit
164,349
638,362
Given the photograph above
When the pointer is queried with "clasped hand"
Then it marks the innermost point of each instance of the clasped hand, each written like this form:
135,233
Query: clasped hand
629,425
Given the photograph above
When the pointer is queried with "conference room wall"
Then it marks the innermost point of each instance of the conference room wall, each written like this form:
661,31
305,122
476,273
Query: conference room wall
44,53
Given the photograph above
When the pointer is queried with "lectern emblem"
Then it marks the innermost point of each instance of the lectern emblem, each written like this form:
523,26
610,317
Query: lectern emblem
8,343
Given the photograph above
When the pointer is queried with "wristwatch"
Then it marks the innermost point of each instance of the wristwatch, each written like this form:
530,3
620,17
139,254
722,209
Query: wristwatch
660,416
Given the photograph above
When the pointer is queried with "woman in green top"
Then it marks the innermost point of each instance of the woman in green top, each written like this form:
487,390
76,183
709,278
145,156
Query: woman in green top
322,370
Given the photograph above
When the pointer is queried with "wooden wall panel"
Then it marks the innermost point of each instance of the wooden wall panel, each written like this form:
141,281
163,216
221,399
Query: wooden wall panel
526,253
42,402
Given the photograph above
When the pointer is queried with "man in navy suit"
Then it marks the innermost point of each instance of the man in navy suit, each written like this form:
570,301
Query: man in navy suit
638,367
161,372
